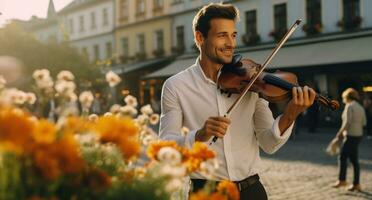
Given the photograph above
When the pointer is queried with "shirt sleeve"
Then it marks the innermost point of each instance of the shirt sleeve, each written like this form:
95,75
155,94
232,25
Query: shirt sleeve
267,129
171,118
348,116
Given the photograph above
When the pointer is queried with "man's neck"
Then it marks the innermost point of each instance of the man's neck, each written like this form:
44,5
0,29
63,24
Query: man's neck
209,68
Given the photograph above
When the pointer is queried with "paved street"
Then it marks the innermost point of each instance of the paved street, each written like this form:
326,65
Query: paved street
302,170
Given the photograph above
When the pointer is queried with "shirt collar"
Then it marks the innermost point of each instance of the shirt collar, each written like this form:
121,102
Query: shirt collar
201,72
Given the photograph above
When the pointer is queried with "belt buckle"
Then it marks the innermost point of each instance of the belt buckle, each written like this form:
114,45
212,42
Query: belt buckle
239,186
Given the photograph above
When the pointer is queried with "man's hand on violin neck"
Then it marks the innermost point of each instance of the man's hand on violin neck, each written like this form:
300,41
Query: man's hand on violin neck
302,98
213,126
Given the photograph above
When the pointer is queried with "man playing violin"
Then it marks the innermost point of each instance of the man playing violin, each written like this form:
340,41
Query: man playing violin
191,98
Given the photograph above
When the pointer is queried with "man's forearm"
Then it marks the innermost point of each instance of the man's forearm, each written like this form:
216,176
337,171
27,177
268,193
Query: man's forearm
285,122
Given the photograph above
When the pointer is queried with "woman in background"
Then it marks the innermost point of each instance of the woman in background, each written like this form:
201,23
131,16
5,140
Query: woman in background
353,120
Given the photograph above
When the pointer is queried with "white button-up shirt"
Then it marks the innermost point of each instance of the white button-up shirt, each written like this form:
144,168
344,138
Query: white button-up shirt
189,98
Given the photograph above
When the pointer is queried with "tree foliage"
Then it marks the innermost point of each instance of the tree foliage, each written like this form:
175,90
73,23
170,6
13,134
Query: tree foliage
52,55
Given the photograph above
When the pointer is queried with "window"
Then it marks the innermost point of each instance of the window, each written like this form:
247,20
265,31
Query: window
351,18
140,43
81,23
123,9
96,52
125,46
140,7
313,17
93,20
280,17
108,50
158,4
159,40
251,22
180,37
105,17
313,12
71,24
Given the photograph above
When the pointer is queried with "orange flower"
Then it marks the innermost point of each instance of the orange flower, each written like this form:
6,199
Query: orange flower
67,151
120,131
16,127
44,132
52,160
96,179
76,125
228,188
154,148
204,196
197,155
46,163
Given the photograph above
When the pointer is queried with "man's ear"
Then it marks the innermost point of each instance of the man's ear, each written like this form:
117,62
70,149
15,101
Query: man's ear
199,39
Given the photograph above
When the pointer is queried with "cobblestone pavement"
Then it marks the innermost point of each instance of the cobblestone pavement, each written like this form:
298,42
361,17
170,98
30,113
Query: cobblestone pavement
302,170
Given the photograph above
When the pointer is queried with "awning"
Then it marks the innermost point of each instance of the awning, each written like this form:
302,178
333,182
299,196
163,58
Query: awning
297,53
318,53
125,68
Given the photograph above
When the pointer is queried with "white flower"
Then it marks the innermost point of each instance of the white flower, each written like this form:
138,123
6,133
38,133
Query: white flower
142,119
93,117
63,87
41,74
154,119
46,83
169,155
2,82
43,79
207,168
173,171
174,184
112,79
146,109
128,110
185,131
65,75
86,138
30,98
86,98
115,108
107,114
19,97
131,101
148,139
71,97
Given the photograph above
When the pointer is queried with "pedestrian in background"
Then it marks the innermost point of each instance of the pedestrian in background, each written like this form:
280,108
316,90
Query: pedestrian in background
351,131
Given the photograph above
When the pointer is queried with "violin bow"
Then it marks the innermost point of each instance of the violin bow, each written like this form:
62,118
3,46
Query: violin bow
254,78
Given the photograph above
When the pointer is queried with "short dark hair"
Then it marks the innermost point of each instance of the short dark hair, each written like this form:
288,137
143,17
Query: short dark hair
211,11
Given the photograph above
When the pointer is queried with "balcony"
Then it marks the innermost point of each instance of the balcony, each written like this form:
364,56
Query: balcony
277,34
251,39
312,29
348,24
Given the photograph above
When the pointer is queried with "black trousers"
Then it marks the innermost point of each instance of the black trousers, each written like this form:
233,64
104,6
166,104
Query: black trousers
255,191
350,151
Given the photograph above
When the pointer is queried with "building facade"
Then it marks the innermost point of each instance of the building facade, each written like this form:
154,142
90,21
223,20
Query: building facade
90,27
329,51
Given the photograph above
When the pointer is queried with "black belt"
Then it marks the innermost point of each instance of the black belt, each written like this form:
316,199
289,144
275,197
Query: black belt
242,185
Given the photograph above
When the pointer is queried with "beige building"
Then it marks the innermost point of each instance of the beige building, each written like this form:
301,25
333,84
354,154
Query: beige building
143,42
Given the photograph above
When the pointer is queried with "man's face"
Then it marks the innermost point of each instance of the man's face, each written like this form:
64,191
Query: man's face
221,41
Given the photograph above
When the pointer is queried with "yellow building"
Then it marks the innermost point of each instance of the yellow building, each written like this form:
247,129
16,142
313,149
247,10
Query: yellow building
143,43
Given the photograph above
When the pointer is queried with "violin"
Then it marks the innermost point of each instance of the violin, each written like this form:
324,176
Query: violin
274,87
243,75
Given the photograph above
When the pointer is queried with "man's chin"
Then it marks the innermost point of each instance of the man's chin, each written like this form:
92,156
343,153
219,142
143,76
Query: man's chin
226,59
